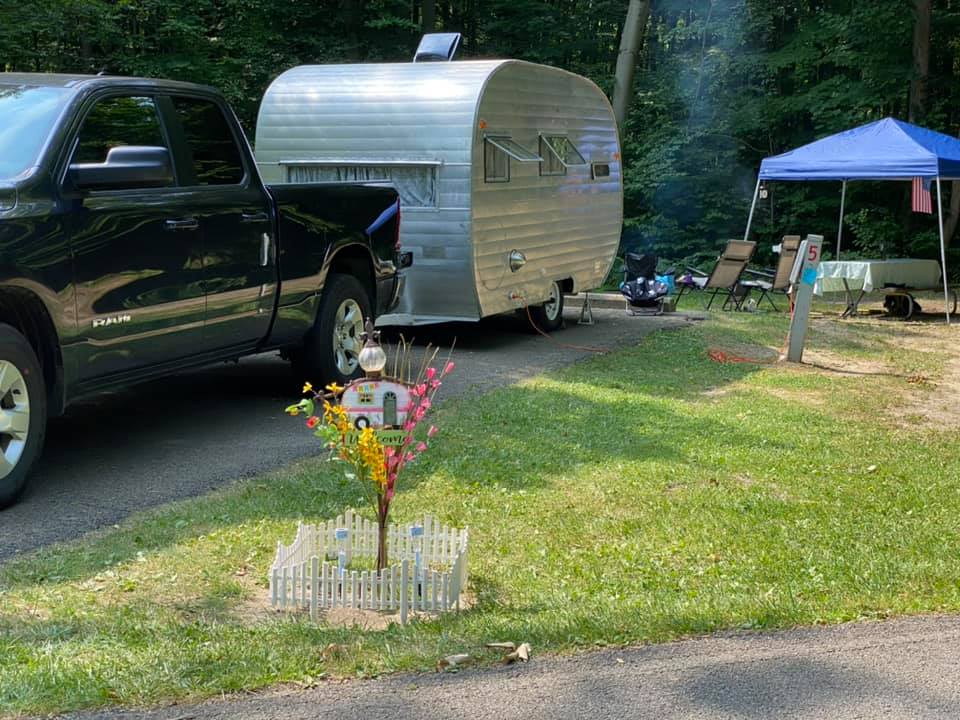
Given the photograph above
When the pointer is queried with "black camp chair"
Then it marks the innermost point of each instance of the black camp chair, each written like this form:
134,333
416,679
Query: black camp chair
640,286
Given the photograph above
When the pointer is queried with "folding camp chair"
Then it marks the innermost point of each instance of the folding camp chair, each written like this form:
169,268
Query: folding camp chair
725,278
779,280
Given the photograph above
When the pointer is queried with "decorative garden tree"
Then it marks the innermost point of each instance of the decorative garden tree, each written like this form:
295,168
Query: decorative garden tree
371,423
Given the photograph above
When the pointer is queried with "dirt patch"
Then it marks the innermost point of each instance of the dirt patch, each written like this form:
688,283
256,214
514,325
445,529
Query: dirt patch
257,608
932,405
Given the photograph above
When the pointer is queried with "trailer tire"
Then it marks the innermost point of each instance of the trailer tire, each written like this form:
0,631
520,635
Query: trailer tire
331,349
548,316
23,413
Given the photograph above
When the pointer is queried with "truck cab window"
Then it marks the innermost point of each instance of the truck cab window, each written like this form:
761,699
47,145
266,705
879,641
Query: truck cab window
216,157
118,121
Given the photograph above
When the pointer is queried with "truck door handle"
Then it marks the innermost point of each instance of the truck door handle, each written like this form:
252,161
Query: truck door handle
184,224
264,250
257,217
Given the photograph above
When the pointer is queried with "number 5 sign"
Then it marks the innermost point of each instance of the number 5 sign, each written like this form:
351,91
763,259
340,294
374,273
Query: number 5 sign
803,295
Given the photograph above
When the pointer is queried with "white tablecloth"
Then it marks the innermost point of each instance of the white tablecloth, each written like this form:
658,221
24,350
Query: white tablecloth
874,274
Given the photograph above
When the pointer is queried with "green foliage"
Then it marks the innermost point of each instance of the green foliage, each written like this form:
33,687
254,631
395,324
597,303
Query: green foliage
720,85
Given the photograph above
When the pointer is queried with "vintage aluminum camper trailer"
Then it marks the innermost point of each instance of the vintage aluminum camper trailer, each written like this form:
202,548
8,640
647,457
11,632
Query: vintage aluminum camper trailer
509,174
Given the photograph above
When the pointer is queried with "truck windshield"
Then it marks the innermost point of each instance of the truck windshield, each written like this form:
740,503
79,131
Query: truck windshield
27,115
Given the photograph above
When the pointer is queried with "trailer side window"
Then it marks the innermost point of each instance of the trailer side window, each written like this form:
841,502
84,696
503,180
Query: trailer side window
558,153
600,170
496,163
416,184
498,150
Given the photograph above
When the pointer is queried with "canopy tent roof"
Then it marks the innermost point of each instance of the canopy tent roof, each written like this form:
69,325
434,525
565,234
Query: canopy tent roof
888,149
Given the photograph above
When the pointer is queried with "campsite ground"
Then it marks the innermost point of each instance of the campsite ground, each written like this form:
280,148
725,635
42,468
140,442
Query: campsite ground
687,485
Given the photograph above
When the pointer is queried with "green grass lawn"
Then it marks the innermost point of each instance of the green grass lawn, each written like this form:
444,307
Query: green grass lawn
638,497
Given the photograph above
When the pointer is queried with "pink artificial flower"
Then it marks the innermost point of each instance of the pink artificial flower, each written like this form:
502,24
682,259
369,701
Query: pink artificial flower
421,447
389,495
419,413
449,368
415,391
409,425
389,451
410,456
431,373
407,440
421,389
426,403
434,384
432,431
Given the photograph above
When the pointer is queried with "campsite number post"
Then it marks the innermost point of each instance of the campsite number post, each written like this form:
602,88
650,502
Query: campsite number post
804,276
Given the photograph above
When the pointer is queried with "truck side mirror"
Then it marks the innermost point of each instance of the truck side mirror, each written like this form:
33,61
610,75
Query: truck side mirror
126,167
406,260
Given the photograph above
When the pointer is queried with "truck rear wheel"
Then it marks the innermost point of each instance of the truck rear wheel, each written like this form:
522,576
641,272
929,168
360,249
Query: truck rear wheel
549,316
331,352
23,412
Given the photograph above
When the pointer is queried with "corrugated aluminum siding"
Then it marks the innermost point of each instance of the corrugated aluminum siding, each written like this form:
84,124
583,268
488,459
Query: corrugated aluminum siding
428,112
391,112
567,226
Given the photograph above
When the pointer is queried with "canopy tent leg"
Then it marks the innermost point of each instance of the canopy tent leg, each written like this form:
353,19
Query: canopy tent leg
943,254
843,198
753,206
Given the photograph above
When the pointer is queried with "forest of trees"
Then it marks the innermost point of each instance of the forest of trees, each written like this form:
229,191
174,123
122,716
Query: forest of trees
719,85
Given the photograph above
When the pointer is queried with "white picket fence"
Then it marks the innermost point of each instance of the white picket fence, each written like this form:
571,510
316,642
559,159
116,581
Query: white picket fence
428,571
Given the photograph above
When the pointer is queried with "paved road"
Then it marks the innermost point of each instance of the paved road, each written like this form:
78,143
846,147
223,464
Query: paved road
121,452
898,669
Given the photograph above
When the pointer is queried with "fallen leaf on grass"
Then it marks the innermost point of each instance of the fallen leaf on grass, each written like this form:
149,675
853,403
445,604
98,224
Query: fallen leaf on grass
509,646
453,662
333,651
522,654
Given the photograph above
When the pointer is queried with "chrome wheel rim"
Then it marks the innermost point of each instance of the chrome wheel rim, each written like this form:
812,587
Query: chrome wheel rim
347,328
551,307
14,416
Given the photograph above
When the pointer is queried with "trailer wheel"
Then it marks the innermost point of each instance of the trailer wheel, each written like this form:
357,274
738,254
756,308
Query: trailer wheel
23,412
549,315
331,351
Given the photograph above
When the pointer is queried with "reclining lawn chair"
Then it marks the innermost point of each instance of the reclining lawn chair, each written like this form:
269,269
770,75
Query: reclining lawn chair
779,280
725,278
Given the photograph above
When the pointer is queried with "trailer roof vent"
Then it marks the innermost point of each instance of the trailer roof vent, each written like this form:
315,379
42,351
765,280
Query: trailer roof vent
437,47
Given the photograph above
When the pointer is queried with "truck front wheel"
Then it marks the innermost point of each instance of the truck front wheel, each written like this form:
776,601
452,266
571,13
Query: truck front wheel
331,352
23,412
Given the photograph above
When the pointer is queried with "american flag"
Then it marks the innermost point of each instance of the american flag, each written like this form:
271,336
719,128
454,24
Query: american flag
920,197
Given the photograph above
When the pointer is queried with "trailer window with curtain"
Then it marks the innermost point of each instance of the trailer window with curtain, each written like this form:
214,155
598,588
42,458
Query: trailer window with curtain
417,184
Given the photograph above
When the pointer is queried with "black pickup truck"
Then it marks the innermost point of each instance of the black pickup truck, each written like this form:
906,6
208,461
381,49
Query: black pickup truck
137,239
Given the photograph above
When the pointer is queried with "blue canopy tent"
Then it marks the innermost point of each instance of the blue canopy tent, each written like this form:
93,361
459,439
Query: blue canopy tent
888,149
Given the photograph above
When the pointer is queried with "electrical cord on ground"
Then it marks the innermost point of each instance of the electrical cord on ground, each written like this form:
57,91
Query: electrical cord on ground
552,339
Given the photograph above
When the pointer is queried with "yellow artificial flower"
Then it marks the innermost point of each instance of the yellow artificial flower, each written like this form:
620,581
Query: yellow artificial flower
307,387
371,455
336,416
334,388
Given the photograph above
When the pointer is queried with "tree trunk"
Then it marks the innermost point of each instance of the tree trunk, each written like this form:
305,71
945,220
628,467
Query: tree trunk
382,558
630,43
428,16
921,61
